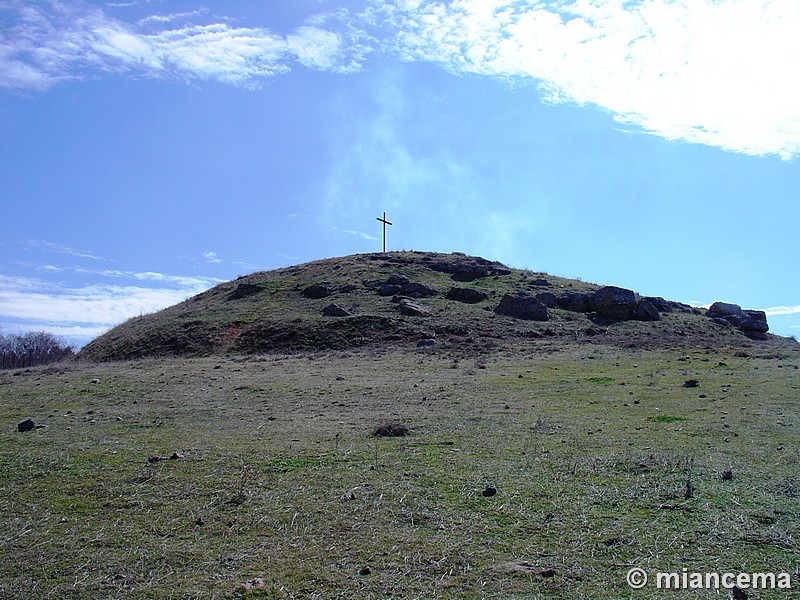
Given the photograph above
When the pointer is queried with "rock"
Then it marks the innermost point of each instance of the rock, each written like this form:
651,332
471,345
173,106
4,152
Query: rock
243,290
317,291
522,307
548,299
347,288
574,301
754,321
334,310
613,302
388,289
466,295
751,322
400,280
417,290
724,310
470,270
26,426
427,343
661,305
646,311
412,309
541,282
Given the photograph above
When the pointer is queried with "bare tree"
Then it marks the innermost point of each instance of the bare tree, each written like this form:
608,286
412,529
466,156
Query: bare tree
31,349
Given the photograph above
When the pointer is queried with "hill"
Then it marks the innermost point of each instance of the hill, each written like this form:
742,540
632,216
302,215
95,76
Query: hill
408,297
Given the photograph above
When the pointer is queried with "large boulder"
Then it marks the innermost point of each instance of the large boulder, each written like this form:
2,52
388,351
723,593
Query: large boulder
574,301
614,303
522,307
646,311
388,289
751,322
754,321
724,310
466,295
548,299
417,290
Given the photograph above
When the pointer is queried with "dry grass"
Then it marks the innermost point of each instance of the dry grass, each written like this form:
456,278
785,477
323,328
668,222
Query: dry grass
280,490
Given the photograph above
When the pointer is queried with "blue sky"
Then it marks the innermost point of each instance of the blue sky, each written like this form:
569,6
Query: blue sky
151,149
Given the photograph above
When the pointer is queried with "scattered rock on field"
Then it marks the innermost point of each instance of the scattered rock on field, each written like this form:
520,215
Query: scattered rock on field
334,310
26,425
317,291
466,295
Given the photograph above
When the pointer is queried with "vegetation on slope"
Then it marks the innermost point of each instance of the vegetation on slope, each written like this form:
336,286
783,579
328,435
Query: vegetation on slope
268,311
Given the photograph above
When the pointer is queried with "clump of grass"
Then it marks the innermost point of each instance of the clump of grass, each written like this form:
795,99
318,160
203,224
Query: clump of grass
391,430
665,418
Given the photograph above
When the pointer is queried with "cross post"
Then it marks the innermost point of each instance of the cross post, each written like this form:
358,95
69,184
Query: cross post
385,223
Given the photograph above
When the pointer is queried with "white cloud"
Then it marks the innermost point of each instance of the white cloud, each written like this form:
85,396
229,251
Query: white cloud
716,72
783,310
30,303
212,257
43,46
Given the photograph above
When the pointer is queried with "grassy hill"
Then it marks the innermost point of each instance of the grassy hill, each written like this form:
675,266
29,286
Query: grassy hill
267,311
541,459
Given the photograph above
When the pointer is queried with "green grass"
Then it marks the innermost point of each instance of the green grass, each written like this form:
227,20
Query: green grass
282,492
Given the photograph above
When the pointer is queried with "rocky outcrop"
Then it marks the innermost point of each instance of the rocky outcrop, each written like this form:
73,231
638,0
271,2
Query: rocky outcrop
470,269
466,295
522,307
750,322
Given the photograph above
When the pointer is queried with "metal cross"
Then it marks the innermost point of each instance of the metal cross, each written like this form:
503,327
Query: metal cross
385,223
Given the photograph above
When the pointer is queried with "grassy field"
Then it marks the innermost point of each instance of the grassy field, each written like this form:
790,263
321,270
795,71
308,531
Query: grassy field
259,476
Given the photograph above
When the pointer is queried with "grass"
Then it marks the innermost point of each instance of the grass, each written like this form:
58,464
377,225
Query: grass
281,490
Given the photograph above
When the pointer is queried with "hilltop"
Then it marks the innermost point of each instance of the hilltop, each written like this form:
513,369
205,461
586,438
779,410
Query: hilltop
417,297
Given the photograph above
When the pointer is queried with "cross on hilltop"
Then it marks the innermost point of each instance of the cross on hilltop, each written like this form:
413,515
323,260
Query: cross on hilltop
385,223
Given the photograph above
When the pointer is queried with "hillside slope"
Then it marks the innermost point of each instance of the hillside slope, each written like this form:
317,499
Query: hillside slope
409,297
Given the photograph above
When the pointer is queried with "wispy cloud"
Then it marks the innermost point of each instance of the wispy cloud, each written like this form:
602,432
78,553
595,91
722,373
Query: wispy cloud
61,249
716,72
53,41
360,234
782,310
